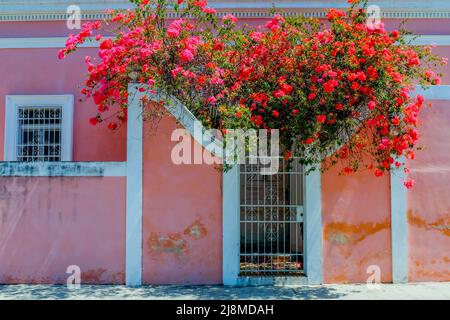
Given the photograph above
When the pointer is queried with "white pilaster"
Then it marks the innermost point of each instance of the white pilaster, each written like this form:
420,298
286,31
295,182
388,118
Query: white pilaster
399,226
313,227
133,273
231,226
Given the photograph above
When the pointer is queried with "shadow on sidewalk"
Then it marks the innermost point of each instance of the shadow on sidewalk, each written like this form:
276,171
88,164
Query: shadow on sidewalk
168,292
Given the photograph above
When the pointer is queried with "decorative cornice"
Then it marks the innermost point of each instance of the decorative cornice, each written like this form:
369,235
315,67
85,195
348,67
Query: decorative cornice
52,10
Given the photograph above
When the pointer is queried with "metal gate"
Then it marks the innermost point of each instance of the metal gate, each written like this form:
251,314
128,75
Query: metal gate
271,219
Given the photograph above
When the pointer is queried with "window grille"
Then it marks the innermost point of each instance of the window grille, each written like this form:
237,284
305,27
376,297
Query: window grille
39,134
271,219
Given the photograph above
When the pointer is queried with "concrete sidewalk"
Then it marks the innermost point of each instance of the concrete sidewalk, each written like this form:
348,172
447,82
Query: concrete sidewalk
385,291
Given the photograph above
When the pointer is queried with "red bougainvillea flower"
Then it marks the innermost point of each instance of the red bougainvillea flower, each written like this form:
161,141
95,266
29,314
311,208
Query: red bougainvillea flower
338,92
93,121
321,118
287,155
229,18
409,183
378,173
175,28
112,126
202,3
209,10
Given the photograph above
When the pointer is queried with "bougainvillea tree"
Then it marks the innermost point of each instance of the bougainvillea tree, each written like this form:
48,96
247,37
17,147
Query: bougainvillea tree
340,91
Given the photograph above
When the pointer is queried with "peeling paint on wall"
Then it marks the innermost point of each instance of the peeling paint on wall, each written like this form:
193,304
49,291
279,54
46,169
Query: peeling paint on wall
93,276
176,243
344,233
442,225
196,230
172,243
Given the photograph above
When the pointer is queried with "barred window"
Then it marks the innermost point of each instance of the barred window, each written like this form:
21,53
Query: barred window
38,128
39,134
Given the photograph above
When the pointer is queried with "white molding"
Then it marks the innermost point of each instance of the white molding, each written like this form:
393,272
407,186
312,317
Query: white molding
59,42
40,43
231,241
318,4
62,169
12,5
441,92
133,265
51,10
399,226
313,226
430,39
15,101
190,123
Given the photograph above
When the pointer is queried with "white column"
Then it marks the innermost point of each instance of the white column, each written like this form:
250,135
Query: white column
230,226
399,226
313,227
133,268
441,92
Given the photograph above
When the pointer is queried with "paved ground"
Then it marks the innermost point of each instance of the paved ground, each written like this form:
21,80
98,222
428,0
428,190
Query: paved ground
385,291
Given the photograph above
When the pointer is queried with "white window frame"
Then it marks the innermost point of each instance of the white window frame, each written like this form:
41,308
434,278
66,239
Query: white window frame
13,102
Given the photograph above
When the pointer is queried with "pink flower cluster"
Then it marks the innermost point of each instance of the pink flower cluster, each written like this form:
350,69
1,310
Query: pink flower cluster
73,41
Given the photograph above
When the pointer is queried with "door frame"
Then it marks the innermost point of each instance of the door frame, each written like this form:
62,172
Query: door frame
313,232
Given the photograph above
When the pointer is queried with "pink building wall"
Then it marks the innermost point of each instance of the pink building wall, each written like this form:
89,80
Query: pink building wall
356,209
429,200
83,221
356,227
48,224
182,228
182,215
39,72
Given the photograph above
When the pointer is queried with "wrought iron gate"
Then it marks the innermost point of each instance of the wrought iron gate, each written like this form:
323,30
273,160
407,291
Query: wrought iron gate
271,219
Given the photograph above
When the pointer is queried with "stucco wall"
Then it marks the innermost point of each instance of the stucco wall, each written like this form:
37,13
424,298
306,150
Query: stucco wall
444,51
182,215
356,209
356,213
429,200
356,227
39,72
48,224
